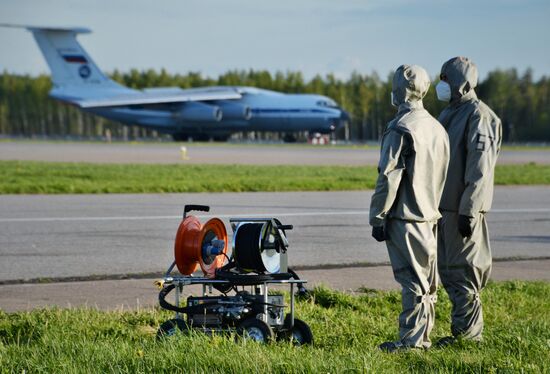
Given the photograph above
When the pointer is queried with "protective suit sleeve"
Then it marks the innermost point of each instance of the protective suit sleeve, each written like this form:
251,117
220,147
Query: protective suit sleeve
482,145
390,172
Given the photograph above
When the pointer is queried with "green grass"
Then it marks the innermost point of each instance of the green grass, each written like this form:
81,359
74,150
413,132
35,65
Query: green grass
347,330
526,147
38,177
526,174
31,177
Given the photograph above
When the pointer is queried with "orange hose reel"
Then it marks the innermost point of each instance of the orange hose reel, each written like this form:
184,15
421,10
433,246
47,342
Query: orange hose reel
200,245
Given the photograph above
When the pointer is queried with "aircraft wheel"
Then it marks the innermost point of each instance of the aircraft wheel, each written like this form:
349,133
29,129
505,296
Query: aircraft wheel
200,137
180,137
221,138
289,138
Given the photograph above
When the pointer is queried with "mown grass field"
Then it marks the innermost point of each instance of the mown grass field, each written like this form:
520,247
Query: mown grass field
31,177
347,330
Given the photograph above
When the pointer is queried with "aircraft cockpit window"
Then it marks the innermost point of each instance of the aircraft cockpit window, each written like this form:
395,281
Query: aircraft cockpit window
327,103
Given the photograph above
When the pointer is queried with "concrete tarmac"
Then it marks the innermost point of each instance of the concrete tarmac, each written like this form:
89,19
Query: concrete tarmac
141,293
59,236
203,153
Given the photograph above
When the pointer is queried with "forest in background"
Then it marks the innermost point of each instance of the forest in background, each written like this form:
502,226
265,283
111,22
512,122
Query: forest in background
522,103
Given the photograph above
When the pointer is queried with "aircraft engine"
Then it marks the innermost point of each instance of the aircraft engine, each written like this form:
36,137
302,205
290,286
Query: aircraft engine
200,112
235,111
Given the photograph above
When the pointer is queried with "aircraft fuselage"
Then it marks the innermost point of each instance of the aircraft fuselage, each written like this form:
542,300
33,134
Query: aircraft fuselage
267,111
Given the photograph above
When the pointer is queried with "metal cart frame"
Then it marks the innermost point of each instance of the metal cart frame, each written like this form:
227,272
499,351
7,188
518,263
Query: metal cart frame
259,288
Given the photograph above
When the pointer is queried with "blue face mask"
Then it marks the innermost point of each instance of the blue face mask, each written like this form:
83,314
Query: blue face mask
443,91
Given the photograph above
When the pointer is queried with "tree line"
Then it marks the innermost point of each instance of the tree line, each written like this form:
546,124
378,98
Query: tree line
522,102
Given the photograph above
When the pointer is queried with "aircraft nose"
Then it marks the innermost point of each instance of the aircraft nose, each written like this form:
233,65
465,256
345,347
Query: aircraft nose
340,121
344,116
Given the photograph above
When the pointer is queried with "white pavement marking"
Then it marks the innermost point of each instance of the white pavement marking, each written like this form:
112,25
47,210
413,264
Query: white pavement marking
278,214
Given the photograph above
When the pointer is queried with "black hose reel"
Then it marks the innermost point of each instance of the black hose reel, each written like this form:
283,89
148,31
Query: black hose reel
260,245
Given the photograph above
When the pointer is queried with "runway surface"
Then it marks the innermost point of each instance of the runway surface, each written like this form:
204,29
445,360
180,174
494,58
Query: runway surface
82,235
169,153
141,293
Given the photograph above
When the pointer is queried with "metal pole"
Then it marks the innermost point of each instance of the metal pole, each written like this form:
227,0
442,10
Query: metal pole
264,317
170,269
291,305
177,295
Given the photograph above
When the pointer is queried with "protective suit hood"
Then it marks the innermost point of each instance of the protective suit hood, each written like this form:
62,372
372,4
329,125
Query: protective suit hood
410,84
461,74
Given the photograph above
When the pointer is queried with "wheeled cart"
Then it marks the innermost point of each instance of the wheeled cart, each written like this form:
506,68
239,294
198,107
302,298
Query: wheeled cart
237,292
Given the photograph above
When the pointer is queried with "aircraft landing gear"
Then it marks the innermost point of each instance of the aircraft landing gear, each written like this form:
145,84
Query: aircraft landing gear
289,138
180,137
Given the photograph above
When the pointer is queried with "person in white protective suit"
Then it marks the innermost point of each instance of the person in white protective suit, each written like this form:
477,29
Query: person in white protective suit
404,209
464,253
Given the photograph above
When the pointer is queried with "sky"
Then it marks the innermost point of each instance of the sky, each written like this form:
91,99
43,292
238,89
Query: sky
311,36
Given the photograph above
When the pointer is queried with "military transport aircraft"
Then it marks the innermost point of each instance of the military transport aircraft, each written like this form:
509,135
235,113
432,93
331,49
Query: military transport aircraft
201,113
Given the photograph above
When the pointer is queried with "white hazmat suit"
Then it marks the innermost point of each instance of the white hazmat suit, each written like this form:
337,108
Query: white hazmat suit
464,253
404,209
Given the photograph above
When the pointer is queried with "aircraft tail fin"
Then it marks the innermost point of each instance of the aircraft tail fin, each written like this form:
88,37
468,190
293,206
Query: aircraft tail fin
70,64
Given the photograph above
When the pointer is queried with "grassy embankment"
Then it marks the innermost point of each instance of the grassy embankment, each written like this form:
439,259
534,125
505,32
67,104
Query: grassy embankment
26,177
347,330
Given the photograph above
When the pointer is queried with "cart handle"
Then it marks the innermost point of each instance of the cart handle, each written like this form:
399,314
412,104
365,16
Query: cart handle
200,208
285,227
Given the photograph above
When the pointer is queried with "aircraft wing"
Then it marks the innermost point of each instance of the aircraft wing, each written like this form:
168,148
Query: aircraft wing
160,96
78,30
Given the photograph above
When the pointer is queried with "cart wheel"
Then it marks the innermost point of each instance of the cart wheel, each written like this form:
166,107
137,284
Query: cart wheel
171,327
300,334
256,329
